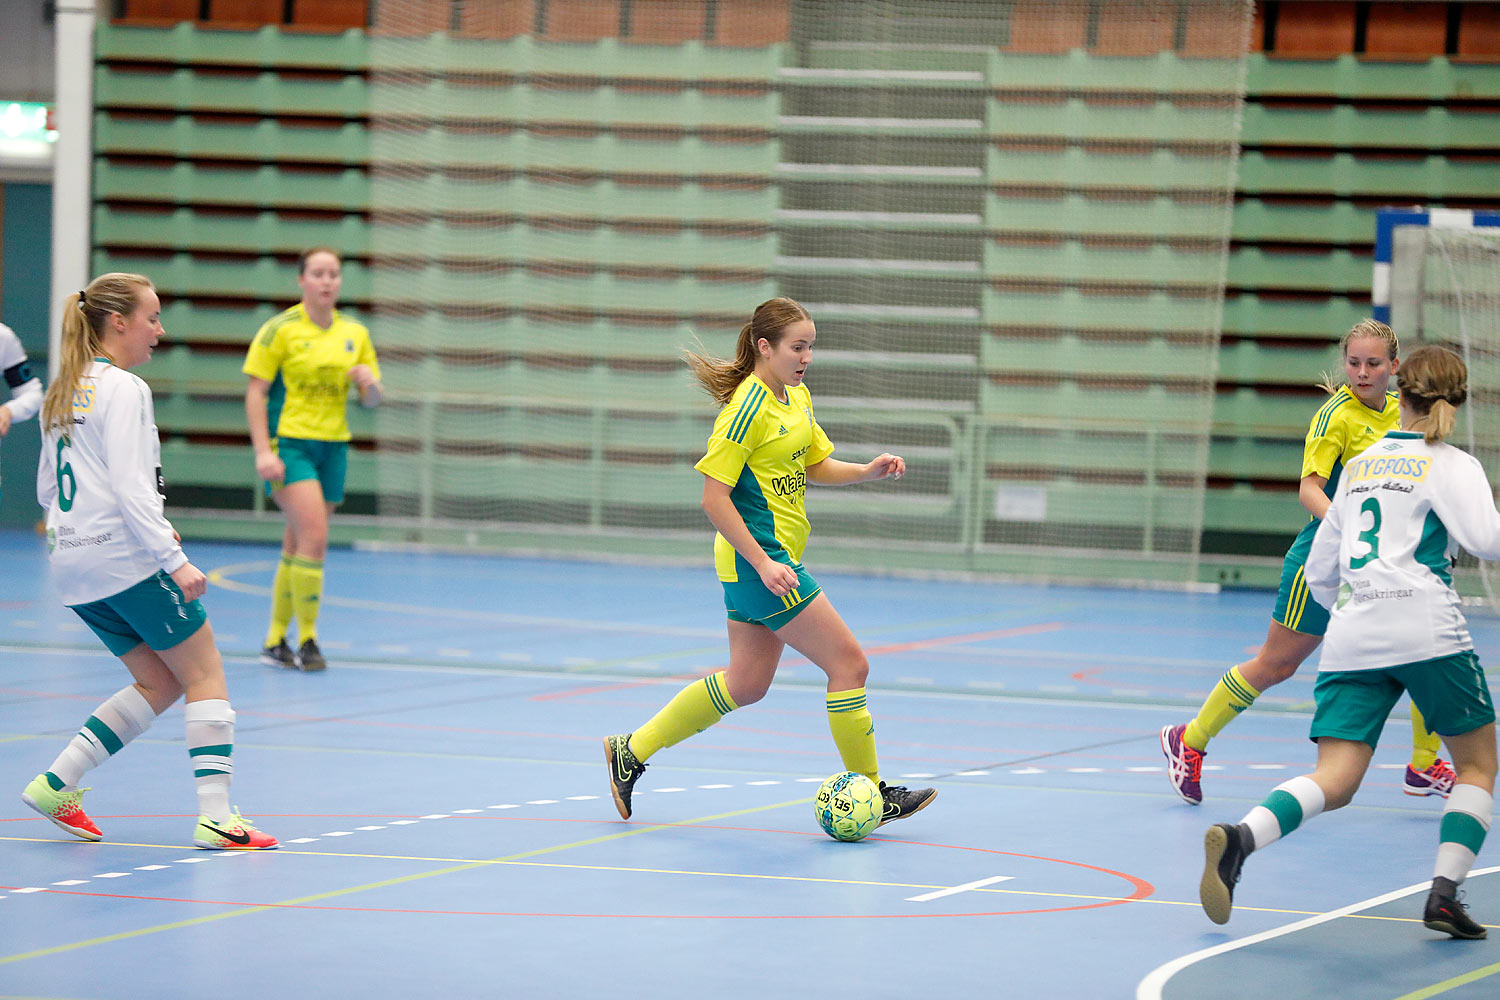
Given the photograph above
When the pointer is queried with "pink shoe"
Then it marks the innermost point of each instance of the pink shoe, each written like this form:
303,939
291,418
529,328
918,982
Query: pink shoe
1185,765
1436,780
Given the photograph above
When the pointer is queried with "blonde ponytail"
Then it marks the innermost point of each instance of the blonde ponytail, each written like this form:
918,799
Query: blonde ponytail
83,321
1434,383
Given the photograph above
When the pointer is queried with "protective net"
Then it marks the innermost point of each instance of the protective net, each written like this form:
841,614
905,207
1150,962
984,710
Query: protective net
1445,289
1009,222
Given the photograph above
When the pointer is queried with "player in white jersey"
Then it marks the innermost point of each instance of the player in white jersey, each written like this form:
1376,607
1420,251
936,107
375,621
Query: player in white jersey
120,566
25,388
1381,560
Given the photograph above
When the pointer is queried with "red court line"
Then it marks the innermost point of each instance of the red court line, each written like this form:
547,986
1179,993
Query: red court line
897,647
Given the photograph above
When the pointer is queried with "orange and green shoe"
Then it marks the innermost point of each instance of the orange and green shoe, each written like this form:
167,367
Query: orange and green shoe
234,834
63,808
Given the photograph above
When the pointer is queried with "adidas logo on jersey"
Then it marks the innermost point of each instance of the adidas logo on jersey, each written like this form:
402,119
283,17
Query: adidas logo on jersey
783,429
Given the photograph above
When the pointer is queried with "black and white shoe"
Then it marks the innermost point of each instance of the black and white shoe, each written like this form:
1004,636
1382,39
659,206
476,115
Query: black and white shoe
309,657
624,770
279,655
901,802
1225,847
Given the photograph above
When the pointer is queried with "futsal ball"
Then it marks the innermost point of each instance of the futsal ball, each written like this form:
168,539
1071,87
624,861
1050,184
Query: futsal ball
848,806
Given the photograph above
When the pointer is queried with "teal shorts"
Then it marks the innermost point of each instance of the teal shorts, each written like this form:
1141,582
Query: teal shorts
152,612
748,600
1295,607
325,461
1450,691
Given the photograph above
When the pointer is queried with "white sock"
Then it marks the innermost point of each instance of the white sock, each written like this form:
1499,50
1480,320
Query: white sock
121,718
1466,820
210,740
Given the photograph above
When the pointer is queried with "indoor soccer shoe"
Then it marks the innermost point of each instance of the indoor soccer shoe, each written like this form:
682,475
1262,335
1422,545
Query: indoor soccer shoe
309,657
624,769
1436,780
235,834
1225,847
279,655
1184,765
63,808
901,802
1445,913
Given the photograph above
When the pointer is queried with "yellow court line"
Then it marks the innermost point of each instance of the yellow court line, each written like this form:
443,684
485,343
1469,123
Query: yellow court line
334,894
1451,984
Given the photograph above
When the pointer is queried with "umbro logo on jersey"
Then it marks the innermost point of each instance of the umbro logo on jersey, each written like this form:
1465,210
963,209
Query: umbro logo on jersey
783,429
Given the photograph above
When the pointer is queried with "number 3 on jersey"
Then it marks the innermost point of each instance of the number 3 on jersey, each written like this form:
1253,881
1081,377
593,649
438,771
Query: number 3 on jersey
67,485
1371,536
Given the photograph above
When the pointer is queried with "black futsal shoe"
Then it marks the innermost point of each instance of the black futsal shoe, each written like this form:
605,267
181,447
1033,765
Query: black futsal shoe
1225,847
279,655
310,658
624,769
1445,913
901,802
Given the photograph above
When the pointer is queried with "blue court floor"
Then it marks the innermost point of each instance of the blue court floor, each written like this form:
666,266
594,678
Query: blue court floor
447,829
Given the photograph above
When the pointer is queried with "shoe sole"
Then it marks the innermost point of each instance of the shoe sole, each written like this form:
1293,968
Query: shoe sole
271,661
1452,931
1421,792
93,838
233,847
925,803
609,758
311,668
1166,751
1215,896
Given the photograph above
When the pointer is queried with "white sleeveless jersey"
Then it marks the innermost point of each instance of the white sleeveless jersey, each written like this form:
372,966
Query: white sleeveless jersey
1382,559
100,483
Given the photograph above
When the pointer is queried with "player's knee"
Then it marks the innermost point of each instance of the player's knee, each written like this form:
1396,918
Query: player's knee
747,694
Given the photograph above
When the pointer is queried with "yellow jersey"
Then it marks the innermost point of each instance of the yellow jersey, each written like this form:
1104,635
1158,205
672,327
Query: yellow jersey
308,368
1341,429
761,448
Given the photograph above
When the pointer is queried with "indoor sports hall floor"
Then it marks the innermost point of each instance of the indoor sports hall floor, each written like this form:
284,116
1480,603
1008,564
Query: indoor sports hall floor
447,829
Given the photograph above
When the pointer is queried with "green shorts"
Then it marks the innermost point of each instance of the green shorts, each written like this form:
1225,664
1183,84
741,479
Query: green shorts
1295,607
152,612
325,461
1450,691
748,600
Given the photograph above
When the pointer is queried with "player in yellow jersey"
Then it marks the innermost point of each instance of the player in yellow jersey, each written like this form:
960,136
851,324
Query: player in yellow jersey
765,448
301,365
1358,414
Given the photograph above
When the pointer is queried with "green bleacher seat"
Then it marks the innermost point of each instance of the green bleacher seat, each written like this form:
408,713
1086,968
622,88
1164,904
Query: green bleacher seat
1098,309
262,186
1350,127
186,43
1075,214
183,274
1243,508
189,230
1076,118
607,58
1075,168
1250,458
1324,318
1079,261
1247,362
263,93
1348,76
601,155
1068,72
1306,221
1251,412
1432,178
267,140
1156,358
604,105
1314,269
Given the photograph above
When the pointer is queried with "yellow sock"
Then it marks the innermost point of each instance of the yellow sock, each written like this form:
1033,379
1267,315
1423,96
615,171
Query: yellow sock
1231,696
1424,743
281,601
306,576
691,710
853,732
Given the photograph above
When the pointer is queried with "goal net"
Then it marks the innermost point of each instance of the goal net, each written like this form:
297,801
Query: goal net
1009,221
1438,282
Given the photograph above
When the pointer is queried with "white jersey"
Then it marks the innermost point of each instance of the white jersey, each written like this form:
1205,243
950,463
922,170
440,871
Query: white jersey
25,388
1382,558
101,486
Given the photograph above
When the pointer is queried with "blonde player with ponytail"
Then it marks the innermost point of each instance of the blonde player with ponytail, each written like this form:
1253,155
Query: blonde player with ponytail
1382,560
1360,409
120,566
765,447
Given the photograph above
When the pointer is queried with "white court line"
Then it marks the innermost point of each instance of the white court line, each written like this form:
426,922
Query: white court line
981,883
1150,988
